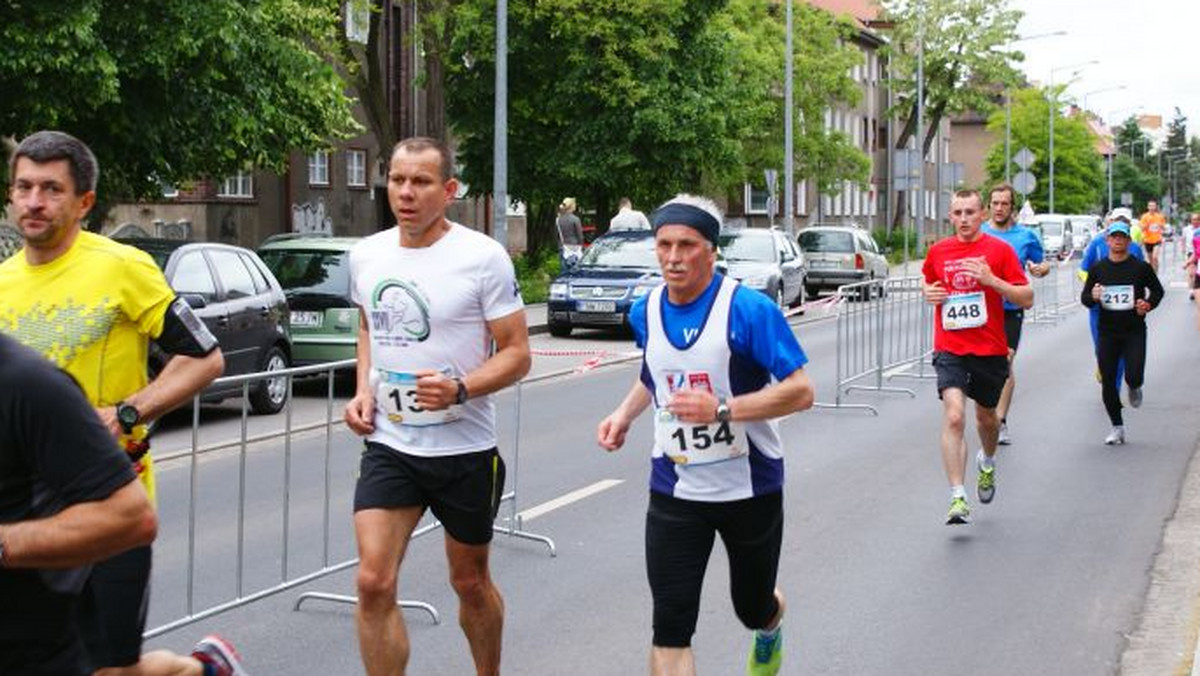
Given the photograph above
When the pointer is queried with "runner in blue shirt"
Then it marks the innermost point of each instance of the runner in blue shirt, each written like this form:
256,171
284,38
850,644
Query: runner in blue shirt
720,364
1029,252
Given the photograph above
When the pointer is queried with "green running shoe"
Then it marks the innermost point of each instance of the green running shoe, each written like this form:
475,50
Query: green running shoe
959,512
766,655
986,486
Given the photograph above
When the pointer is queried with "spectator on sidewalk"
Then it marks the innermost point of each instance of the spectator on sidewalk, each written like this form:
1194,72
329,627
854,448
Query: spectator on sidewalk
628,218
570,233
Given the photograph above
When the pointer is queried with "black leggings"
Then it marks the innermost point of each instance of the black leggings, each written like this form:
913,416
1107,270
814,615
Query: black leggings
1110,350
679,540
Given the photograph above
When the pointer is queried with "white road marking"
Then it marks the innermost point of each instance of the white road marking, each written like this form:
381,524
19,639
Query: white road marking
564,500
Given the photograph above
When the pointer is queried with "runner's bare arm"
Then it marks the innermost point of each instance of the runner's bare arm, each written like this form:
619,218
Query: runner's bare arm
360,410
794,393
610,433
82,533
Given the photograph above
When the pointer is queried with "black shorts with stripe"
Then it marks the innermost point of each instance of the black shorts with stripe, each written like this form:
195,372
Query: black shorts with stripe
463,491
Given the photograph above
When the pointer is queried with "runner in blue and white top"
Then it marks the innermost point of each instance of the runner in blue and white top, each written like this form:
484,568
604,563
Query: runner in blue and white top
1029,252
720,365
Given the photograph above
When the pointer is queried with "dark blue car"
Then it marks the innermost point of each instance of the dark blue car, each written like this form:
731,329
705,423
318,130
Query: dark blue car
616,269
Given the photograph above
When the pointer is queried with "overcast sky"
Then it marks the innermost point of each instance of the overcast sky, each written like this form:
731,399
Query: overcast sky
1149,46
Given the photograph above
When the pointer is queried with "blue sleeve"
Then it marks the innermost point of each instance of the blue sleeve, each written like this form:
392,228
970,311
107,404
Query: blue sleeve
1089,255
1036,253
759,330
1135,250
637,320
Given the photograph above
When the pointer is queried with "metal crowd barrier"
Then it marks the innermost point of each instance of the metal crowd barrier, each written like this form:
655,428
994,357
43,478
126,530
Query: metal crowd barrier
288,581
884,328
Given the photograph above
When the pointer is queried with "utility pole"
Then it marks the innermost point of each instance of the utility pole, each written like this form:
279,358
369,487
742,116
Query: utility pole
789,178
500,142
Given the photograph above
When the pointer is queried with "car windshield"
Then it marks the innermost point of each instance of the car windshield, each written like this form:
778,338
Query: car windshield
308,272
747,247
830,241
1052,228
621,252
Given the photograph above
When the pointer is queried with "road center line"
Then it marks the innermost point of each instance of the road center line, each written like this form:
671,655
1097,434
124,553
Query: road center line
564,500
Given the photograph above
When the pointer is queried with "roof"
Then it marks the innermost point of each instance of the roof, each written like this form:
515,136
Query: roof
863,10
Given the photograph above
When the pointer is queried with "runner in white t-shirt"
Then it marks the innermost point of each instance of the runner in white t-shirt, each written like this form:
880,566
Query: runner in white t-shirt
433,295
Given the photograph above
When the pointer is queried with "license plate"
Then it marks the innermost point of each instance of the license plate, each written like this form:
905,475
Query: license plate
597,306
307,320
824,264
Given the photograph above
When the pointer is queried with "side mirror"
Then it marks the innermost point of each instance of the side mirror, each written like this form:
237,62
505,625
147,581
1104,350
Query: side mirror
194,300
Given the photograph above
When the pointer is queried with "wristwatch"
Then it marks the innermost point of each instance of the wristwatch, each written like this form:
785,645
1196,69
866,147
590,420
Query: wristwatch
127,416
461,397
723,412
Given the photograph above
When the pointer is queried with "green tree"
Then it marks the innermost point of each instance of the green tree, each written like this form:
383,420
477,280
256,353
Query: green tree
605,98
171,91
967,61
1128,177
1079,178
824,56
644,98
1178,171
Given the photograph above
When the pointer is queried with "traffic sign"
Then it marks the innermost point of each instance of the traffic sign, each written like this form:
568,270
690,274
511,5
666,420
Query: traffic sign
772,177
1024,182
1126,199
1024,158
906,169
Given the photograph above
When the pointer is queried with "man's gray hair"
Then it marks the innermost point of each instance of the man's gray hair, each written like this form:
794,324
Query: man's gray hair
50,146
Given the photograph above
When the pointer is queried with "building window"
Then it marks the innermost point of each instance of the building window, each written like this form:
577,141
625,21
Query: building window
356,168
240,184
358,21
318,168
756,199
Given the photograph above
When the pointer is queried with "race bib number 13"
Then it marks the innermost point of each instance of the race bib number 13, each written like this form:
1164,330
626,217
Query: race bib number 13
964,311
396,394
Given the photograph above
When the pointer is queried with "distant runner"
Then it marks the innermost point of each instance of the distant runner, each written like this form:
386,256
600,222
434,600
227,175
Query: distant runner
1125,289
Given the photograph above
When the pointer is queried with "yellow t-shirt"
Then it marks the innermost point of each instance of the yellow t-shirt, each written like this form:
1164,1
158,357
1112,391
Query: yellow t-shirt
1152,227
91,311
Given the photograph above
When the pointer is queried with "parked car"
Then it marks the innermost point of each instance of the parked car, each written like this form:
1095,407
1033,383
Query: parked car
1057,236
837,255
240,302
315,275
765,260
618,268
1083,228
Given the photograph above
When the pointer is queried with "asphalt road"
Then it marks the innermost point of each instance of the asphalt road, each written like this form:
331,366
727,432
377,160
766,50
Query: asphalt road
1049,579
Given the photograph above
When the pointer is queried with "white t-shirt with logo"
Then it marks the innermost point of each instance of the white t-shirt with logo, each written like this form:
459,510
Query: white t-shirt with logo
426,308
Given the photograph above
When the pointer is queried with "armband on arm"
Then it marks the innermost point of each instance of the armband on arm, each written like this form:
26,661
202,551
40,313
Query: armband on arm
184,333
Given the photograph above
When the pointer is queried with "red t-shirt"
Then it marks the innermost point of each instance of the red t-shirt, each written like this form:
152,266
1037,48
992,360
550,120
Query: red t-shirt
980,335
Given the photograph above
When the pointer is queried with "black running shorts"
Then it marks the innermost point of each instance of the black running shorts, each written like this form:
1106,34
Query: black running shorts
463,491
679,540
980,378
1013,319
112,608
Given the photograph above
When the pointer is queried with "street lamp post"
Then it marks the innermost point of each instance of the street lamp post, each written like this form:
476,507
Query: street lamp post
1115,88
789,180
1053,104
1008,108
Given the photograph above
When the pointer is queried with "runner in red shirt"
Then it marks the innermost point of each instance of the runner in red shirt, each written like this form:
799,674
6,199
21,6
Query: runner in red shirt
968,277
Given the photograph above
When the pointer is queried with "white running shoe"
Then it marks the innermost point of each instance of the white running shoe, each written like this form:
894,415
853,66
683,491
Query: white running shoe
1116,436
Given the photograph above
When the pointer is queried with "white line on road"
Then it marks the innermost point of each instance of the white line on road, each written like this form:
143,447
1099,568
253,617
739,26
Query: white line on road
564,500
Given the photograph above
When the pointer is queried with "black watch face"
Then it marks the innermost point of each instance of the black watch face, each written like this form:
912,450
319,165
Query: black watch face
127,415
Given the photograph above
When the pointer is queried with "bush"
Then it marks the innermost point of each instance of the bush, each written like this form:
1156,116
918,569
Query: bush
894,243
535,270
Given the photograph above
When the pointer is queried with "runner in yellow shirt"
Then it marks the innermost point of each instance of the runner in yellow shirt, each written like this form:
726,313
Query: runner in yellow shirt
92,306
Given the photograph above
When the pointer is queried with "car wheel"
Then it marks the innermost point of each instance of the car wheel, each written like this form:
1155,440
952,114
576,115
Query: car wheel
811,291
559,329
269,395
